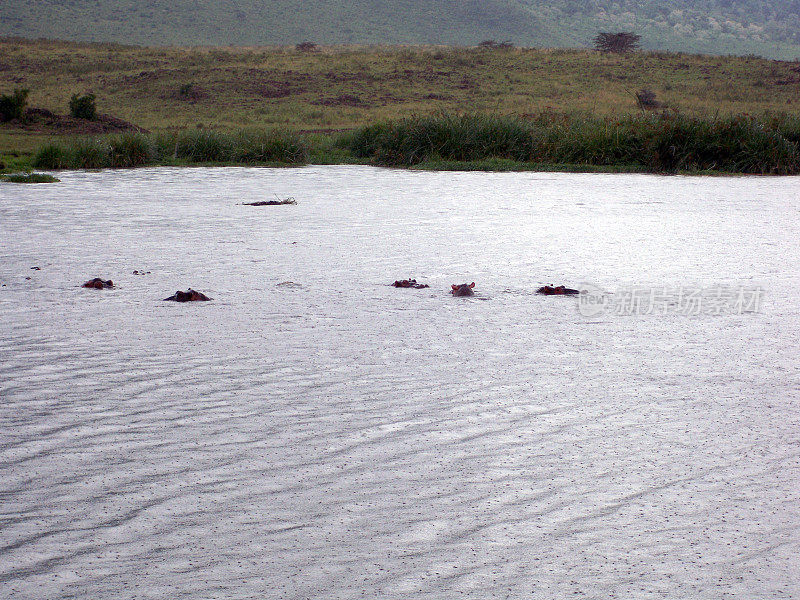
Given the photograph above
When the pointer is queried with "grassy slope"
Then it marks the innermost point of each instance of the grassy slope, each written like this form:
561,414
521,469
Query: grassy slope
761,27
341,88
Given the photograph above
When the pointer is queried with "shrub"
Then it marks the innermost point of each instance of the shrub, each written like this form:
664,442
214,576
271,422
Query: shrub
130,150
88,154
306,47
51,156
493,45
203,146
621,42
269,146
83,107
12,106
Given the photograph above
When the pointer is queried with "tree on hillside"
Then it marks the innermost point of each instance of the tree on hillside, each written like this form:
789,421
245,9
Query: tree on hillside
621,42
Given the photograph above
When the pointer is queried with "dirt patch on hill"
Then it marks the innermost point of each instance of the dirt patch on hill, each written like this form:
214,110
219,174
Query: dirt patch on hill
40,120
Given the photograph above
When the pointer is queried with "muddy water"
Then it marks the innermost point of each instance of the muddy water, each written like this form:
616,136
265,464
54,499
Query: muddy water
315,433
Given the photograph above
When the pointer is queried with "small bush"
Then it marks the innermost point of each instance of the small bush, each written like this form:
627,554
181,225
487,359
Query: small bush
201,145
493,45
88,154
306,47
12,106
83,107
51,156
269,146
131,150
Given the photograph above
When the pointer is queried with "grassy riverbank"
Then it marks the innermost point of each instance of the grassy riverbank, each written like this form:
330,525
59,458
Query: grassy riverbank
128,150
526,108
642,143
652,143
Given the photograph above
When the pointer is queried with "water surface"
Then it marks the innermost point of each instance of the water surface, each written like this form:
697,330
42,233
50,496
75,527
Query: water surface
315,433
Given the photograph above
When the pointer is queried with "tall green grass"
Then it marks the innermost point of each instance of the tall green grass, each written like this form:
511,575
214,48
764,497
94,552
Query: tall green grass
187,147
656,143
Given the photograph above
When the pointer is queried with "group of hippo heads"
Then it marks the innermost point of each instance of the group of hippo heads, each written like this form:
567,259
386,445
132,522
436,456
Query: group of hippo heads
464,289
468,289
189,295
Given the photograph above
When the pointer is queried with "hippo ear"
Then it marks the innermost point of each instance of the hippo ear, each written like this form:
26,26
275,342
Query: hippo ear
454,286
472,285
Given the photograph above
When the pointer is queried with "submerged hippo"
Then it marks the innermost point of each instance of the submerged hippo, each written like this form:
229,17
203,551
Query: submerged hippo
409,283
98,283
189,295
465,289
549,290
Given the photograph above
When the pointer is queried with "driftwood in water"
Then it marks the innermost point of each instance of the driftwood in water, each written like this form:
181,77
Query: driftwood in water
278,202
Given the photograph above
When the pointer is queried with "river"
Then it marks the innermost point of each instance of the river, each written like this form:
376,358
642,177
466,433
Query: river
313,432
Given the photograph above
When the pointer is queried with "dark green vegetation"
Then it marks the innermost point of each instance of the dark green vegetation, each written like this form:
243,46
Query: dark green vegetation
12,106
621,41
767,27
661,144
83,107
29,178
189,147
645,143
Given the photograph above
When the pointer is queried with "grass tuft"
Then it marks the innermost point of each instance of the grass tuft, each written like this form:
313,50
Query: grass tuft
131,150
51,156
29,178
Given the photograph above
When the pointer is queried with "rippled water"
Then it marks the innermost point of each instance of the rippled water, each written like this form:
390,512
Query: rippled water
335,437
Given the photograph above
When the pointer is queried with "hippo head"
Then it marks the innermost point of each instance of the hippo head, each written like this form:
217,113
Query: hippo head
189,295
98,283
465,289
559,290
409,283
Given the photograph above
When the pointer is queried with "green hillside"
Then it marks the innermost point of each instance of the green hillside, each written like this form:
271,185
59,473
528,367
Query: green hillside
770,28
